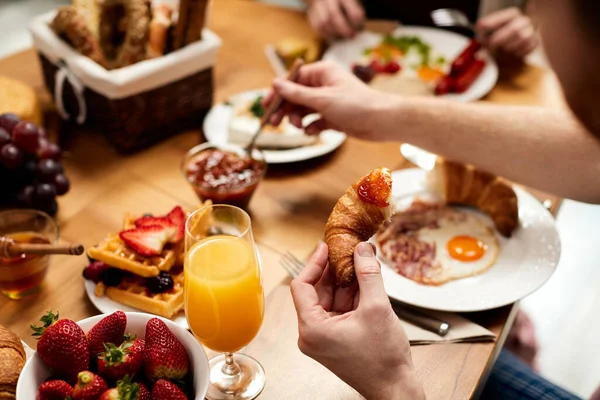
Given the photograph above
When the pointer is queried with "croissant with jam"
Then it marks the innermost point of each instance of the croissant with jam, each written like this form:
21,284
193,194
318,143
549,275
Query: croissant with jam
357,216
466,185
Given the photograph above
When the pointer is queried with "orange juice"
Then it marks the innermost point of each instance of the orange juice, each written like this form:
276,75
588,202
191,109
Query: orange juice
224,301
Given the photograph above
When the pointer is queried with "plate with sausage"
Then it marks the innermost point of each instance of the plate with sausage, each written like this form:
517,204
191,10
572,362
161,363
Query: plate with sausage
419,61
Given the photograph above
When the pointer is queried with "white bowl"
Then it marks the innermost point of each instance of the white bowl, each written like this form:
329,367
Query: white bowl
35,372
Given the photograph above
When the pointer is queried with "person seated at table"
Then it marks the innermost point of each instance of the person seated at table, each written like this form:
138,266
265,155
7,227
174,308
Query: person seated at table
501,24
354,332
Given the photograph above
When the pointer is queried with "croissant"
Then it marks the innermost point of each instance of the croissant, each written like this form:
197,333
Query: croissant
357,216
12,360
466,185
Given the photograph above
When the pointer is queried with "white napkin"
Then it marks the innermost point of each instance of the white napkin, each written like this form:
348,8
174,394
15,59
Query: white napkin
461,331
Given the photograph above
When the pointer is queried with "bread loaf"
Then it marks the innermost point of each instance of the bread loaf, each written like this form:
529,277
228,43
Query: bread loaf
18,98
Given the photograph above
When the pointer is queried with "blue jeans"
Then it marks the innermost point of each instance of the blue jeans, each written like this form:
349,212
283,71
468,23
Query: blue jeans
511,379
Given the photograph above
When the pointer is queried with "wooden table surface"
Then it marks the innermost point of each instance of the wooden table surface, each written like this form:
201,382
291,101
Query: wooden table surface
289,209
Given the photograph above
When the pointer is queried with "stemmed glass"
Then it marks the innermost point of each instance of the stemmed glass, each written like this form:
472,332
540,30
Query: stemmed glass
224,299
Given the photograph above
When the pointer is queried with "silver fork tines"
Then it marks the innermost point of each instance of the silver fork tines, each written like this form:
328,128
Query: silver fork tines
291,264
450,17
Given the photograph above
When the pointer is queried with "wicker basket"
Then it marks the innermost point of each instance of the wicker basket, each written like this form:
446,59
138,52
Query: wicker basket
135,106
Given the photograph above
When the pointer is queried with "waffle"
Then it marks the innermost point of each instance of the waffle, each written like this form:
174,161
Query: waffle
131,292
114,252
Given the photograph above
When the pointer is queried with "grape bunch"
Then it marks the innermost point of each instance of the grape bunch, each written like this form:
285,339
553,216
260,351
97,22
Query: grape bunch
31,175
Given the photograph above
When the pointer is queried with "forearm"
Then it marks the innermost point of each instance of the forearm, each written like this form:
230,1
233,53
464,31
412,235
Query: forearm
542,148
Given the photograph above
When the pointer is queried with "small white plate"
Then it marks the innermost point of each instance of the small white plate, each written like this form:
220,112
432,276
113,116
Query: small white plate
447,43
526,260
216,130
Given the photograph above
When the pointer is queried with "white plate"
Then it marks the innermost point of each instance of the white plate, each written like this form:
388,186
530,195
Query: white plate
526,260
216,130
447,43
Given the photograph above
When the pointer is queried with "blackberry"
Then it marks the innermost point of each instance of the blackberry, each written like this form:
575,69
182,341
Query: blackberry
112,277
160,283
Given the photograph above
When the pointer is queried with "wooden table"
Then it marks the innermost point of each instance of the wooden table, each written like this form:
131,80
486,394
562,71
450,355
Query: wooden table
289,209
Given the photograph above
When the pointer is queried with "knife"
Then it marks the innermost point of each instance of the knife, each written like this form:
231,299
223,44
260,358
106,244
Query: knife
422,320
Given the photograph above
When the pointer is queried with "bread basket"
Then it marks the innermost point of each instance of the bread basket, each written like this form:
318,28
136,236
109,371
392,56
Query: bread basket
134,106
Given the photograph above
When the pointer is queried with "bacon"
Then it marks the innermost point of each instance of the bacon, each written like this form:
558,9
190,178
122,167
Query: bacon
412,257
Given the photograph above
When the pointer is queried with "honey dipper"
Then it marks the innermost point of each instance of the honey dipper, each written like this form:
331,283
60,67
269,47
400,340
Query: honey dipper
9,248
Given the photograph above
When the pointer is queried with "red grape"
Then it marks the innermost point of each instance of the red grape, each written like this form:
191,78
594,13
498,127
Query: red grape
8,121
62,184
44,193
4,137
49,150
47,169
25,196
26,136
11,156
43,133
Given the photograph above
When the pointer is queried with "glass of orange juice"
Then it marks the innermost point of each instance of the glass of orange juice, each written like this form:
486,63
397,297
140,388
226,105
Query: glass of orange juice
224,300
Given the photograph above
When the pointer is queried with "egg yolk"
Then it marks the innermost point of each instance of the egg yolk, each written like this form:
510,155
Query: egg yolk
465,248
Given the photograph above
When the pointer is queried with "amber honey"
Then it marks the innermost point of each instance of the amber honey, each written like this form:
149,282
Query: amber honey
23,275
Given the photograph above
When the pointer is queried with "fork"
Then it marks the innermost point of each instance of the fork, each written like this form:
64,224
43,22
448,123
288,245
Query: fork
451,17
293,265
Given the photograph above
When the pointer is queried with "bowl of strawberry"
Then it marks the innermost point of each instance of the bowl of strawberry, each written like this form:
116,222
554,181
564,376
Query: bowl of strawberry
119,356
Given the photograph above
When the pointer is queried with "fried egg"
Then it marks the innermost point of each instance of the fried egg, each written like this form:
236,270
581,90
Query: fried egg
244,124
465,244
432,243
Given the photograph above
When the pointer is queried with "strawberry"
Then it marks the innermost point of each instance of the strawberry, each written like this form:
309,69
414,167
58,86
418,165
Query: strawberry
391,68
125,390
54,390
89,386
377,66
148,240
177,216
164,356
174,221
62,346
144,392
165,390
127,359
110,329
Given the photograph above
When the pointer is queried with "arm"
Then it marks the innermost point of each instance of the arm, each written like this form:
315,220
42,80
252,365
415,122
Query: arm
546,149
538,147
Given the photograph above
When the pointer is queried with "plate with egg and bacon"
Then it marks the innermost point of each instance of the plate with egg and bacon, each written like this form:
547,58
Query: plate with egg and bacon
464,240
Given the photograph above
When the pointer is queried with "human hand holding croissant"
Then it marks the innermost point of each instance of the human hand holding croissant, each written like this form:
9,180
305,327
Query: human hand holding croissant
353,331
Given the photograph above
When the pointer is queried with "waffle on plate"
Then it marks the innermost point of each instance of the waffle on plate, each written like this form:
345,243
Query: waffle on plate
125,251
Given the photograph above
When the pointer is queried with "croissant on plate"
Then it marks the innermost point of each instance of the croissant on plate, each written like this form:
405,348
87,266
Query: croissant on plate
466,185
357,216
12,360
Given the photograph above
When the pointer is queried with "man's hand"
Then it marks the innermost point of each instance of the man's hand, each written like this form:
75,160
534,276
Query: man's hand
335,18
344,102
508,30
354,331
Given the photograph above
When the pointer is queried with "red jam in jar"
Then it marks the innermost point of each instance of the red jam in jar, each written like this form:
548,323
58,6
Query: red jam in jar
224,177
